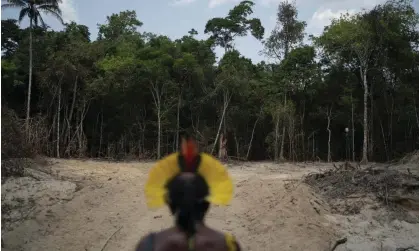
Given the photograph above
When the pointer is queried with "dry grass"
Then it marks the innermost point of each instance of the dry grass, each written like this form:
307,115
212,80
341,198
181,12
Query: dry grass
396,190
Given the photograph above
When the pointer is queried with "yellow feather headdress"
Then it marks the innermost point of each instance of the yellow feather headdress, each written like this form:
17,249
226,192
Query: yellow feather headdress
215,174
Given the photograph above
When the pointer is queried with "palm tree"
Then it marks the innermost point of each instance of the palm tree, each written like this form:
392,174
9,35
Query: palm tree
33,9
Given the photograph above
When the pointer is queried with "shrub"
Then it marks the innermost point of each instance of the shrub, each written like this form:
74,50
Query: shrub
15,149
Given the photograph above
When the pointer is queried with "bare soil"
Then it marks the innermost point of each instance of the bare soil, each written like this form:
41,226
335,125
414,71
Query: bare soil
99,205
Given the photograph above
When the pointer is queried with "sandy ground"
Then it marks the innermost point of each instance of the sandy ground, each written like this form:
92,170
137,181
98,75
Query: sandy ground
92,205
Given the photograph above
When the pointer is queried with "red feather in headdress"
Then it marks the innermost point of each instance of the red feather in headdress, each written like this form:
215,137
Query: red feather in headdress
189,153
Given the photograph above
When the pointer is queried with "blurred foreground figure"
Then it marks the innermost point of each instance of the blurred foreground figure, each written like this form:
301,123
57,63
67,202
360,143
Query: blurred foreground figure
188,182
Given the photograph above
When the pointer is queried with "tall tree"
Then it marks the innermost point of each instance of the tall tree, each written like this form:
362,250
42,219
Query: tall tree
302,76
394,30
186,70
223,31
288,33
352,37
237,23
34,9
156,63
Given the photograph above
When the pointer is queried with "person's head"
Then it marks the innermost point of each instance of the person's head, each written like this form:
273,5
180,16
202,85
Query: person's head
186,197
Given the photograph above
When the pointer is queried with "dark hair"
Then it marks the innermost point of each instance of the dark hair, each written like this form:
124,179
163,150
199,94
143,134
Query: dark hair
186,199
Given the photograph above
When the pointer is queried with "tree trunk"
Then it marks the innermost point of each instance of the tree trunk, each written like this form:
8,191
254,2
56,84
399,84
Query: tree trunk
251,138
82,136
416,113
223,153
353,129
220,147
302,131
312,135
51,146
178,119
384,140
157,95
371,126
390,127
143,128
364,159
28,105
276,145
329,117
281,152
158,131
225,105
70,116
58,119
101,134
237,145
224,126
291,135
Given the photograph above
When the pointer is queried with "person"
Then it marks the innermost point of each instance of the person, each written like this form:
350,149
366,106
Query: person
188,182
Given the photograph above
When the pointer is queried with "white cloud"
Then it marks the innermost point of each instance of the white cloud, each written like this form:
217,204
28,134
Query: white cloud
324,17
332,9
266,3
69,11
272,18
215,3
301,3
358,3
270,3
327,15
182,2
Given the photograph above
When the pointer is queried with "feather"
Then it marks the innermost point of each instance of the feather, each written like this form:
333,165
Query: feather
214,173
218,179
160,174
189,153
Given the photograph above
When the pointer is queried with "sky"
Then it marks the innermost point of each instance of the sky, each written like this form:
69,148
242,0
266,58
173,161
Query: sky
174,18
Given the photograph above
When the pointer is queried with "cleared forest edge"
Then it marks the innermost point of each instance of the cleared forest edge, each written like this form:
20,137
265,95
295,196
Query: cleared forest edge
85,205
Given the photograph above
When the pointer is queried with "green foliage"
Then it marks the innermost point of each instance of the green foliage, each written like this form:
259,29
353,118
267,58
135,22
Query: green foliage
124,23
236,24
33,9
288,32
350,36
10,36
120,95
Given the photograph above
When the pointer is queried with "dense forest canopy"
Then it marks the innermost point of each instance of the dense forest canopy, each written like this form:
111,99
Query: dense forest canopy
352,93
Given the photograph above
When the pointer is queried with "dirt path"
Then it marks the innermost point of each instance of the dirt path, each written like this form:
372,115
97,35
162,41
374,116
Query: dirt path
269,210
